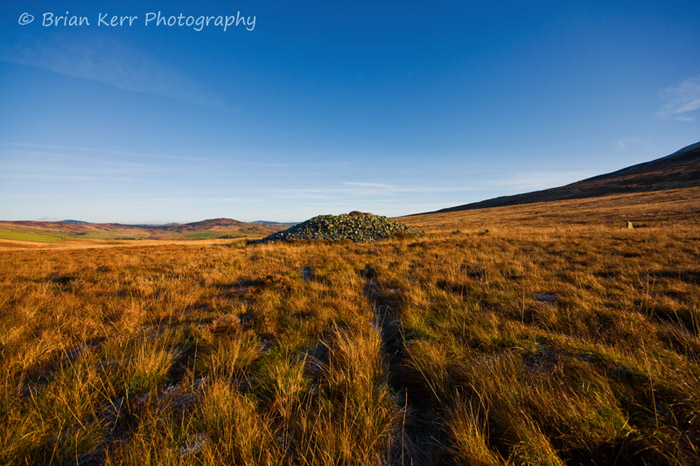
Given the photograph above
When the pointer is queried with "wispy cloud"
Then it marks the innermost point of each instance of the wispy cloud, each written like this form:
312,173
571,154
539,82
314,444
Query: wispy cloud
369,185
539,180
364,189
623,143
38,162
52,177
681,101
72,150
194,199
109,62
298,164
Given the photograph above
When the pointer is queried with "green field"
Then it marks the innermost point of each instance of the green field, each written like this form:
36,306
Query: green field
29,237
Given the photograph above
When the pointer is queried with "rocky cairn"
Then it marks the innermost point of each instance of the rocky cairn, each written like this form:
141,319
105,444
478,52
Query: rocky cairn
358,227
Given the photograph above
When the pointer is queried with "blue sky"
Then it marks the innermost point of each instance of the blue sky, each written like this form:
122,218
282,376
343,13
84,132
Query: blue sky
326,107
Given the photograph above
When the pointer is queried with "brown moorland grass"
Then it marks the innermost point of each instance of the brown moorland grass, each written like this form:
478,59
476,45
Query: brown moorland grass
558,337
16,245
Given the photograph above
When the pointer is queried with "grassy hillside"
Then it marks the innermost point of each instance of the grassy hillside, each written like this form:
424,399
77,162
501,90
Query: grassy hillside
74,230
662,208
676,171
557,337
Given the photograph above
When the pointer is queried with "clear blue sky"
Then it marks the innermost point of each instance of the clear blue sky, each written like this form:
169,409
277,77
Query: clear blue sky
331,106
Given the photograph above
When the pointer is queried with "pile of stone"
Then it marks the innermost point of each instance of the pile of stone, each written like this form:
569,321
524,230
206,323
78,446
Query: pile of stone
358,227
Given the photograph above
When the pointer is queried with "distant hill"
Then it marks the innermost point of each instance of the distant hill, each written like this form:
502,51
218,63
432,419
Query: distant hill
267,222
74,222
75,229
210,224
220,227
678,170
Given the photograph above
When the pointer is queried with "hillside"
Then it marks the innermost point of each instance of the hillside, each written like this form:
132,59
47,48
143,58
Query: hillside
221,226
49,232
653,209
678,170
209,224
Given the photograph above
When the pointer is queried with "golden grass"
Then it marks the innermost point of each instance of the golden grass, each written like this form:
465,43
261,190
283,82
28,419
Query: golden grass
558,337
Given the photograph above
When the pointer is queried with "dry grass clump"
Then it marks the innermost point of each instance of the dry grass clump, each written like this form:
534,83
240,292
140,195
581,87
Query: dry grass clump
551,343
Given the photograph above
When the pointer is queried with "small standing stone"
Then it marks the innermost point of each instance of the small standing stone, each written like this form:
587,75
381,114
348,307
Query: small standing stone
629,225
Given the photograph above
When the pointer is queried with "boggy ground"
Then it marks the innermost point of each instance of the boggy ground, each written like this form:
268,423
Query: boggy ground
570,340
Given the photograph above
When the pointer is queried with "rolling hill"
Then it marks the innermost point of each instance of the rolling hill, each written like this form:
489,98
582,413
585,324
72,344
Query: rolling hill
678,170
77,230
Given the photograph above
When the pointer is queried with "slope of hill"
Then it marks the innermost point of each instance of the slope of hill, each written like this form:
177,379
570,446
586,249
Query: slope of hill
678,170
227,227
653,209
209,224
56,231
